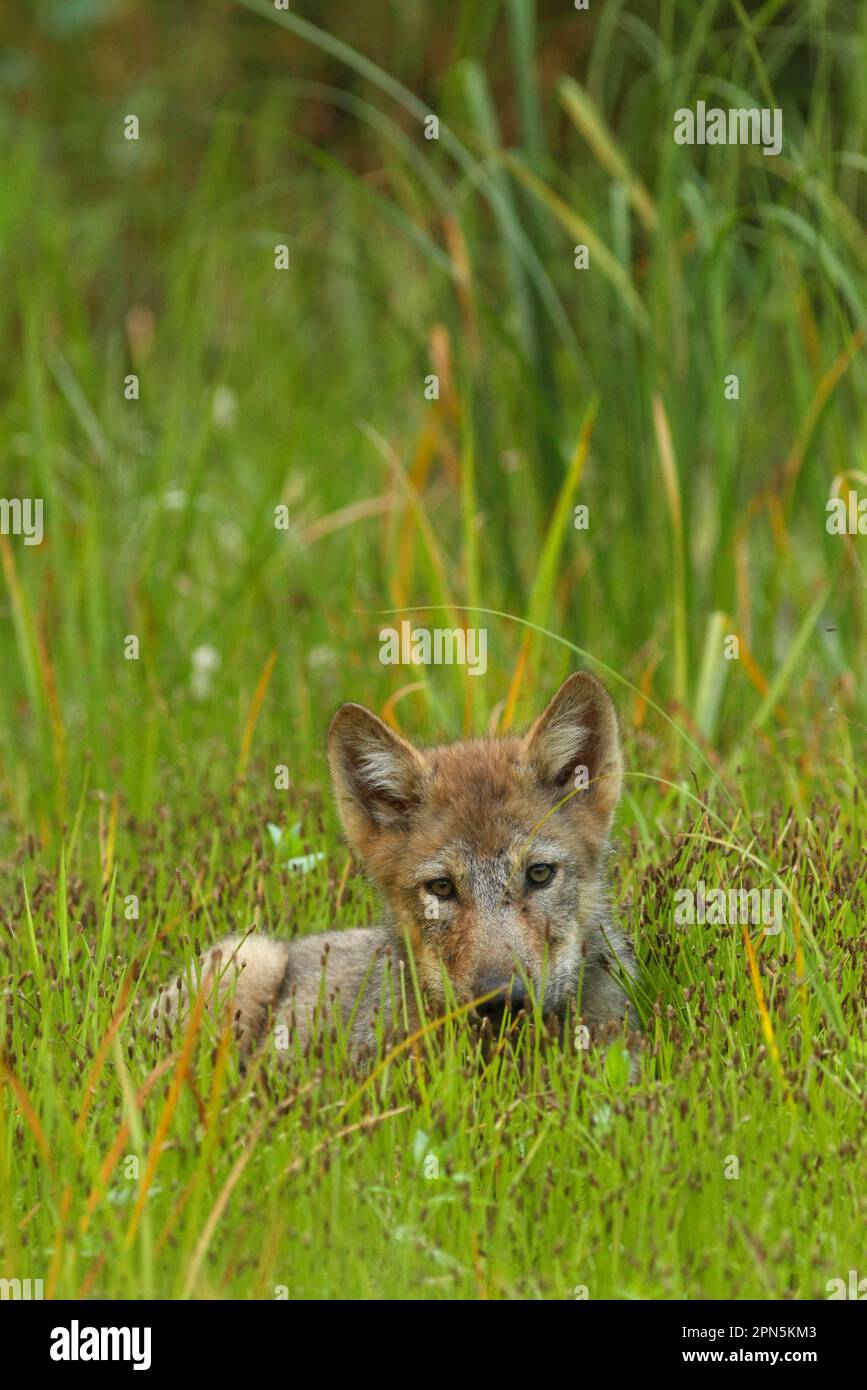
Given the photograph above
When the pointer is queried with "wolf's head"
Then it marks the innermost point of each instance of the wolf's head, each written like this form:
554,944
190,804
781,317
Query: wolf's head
490,852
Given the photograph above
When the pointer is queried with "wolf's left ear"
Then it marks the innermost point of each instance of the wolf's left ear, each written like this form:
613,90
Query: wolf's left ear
579,731
377,775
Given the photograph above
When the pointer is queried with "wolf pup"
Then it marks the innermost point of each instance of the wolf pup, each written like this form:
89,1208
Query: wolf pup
490,855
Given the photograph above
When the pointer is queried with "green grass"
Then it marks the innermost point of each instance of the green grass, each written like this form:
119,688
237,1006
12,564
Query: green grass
305,388
460,1170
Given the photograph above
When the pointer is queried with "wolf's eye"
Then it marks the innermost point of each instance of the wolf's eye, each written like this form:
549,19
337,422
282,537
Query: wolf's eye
540,874
441,887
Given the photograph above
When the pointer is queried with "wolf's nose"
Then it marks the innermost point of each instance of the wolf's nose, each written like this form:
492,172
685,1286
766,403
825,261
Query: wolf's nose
512,996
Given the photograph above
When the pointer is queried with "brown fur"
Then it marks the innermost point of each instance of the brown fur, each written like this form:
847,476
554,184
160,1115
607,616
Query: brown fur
477,814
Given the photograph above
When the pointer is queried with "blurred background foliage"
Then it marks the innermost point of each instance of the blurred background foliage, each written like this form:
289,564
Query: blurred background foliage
306,387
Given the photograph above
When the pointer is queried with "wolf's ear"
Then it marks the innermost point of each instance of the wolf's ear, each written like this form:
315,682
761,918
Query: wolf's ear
578,730
377,775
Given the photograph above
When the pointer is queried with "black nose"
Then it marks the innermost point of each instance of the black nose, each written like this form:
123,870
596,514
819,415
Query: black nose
512,996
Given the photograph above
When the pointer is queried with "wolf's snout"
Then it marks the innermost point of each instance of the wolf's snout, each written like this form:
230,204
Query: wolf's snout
510,994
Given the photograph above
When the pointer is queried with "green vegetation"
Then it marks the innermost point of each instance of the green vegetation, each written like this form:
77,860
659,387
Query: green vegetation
304,389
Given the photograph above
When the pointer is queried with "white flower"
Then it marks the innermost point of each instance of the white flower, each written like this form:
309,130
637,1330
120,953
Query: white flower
205,661
224,408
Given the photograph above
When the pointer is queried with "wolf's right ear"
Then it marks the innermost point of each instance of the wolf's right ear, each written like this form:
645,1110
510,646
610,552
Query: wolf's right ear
377,775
